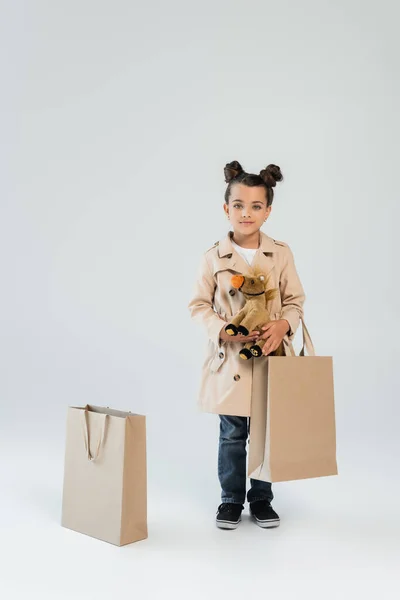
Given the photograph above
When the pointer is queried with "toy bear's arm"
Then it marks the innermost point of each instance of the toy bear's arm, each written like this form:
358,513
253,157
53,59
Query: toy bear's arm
201,303
292,293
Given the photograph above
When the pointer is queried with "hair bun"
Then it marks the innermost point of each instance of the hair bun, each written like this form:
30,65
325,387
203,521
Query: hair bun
232,170
270,175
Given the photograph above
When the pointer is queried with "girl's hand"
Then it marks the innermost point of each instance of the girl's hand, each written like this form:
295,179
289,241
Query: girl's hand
225,337
274,332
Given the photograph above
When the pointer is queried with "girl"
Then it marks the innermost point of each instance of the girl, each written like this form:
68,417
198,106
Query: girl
229,383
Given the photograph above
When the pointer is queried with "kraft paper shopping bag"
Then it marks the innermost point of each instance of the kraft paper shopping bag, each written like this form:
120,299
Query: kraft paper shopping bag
292,428
105,478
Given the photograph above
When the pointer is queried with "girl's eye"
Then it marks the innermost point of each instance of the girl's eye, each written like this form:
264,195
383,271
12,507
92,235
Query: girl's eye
257,206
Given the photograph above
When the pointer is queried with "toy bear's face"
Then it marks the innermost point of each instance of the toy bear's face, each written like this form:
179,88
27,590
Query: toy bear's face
250,285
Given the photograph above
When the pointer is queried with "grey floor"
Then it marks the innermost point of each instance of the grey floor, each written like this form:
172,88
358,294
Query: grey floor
339,538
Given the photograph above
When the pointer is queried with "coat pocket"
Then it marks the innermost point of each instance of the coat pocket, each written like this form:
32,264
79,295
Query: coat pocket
218,360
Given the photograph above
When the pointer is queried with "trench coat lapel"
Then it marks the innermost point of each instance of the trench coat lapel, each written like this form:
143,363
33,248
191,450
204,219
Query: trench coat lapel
264,258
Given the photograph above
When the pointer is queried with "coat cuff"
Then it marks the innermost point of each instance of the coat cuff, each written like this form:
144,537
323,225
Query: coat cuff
214,330
293,318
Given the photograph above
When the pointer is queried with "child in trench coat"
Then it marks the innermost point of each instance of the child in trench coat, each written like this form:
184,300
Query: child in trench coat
228,383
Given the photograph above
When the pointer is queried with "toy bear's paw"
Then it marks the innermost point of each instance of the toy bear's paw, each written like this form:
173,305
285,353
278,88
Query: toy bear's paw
243,329
256,350
245,354
231,329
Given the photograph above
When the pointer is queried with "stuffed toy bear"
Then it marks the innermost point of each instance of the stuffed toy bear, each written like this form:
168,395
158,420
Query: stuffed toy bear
254,313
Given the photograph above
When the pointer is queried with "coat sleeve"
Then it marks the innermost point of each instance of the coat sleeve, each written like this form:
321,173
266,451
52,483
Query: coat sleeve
292,293
201,303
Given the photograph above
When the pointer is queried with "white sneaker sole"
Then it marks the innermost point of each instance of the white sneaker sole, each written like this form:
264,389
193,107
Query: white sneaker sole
227,524
266,524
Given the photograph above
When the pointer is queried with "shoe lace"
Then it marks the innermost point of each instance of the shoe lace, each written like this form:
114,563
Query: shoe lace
227,507
264,504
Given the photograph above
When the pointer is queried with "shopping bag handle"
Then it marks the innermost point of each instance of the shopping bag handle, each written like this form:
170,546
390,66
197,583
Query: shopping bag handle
86,438
307,343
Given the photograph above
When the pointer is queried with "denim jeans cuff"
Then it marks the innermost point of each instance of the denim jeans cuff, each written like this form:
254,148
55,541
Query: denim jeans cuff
232,500
257,498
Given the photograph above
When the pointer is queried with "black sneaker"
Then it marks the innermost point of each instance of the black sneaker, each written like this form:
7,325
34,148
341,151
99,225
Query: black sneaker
229,515
263,514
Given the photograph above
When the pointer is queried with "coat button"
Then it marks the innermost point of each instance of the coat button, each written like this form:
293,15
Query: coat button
221,355
232,292
236,377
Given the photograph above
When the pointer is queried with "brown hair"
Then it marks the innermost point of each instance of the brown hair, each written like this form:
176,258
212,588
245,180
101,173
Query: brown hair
267,177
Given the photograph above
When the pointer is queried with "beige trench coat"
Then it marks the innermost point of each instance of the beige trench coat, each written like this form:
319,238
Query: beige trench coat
228,383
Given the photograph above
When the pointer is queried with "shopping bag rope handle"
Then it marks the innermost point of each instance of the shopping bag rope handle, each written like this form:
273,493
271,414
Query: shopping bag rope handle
86,437
307,343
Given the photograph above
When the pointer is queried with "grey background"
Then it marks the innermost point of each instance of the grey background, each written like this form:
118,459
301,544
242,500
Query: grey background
117,119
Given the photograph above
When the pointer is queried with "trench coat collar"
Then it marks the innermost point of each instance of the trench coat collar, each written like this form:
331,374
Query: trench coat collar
263,258
225,246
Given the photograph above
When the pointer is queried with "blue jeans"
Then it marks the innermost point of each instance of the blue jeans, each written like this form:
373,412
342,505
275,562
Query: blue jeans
232,463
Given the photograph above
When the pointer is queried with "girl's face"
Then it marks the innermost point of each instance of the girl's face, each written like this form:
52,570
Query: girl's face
247,208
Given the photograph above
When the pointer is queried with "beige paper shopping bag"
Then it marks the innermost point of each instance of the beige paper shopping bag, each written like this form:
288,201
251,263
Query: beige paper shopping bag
105,476
292,429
